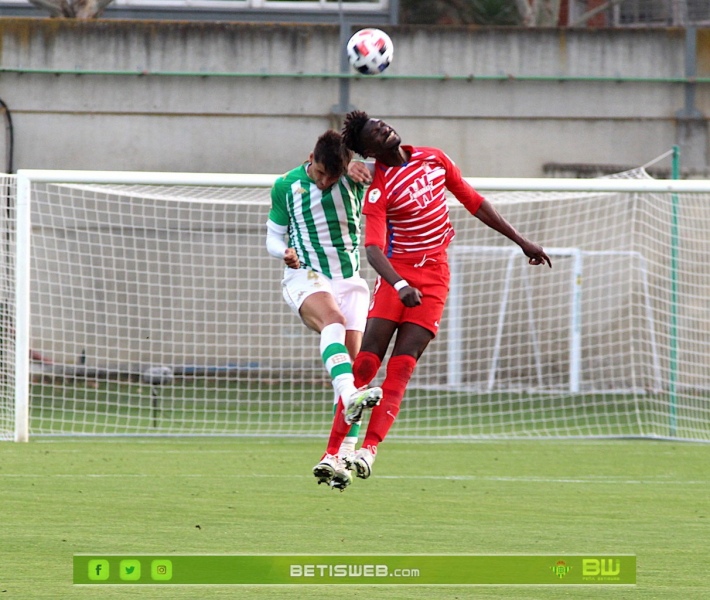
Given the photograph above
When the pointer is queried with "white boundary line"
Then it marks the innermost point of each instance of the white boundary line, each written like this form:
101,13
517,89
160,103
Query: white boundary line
485,478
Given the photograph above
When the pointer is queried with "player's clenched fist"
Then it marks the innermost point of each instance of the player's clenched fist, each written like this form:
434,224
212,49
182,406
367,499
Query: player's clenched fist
291,259
410,296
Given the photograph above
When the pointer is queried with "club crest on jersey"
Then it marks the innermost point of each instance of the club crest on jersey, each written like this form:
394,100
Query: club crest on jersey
420,191
374,195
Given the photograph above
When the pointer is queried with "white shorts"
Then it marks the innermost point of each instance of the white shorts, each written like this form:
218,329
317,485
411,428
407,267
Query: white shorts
352,295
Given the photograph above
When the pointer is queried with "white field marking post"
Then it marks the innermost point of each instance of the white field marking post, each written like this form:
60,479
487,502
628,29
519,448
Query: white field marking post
455,342
23,251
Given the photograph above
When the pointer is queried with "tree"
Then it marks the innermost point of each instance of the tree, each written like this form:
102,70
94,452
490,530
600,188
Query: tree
79,9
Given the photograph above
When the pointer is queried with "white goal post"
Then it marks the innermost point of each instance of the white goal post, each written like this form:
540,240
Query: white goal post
139,303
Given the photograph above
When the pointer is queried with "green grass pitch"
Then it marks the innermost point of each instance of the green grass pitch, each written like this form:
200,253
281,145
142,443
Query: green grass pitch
252,496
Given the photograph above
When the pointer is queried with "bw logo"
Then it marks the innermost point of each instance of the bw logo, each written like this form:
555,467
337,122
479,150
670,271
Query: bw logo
594,567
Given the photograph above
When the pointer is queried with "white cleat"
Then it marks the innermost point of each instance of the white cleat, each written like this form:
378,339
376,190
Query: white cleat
342,478
332,471
325,469
363,398
361,462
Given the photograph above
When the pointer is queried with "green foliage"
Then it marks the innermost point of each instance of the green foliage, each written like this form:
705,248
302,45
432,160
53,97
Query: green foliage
495,12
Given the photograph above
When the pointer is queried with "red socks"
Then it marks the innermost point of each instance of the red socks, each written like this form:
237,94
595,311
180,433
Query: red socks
365,368
339,429
399,371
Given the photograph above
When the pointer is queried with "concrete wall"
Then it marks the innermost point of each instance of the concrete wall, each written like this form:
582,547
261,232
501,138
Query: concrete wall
226,97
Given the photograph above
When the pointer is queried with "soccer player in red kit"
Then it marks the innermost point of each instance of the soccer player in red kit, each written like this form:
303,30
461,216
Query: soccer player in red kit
407,232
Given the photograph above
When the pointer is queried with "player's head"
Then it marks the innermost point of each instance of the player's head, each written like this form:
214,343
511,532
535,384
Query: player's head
369,137
329,160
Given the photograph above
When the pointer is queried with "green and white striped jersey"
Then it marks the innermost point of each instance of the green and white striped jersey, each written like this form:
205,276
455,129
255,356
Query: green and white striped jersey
323,226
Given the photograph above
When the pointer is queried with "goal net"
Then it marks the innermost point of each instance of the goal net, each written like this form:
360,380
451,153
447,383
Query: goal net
7,307
146,304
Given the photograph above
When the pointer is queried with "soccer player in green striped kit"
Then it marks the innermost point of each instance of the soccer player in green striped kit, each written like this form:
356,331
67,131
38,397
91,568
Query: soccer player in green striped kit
314,227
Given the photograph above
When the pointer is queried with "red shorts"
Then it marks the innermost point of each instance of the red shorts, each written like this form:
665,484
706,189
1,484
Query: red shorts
430,278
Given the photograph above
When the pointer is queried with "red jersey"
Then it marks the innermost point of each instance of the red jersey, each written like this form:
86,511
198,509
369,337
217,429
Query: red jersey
406,206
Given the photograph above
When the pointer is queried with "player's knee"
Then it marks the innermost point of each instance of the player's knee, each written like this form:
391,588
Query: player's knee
365,368
319,322
335,317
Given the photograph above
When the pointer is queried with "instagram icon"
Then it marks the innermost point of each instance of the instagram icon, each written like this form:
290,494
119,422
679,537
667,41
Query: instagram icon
161,570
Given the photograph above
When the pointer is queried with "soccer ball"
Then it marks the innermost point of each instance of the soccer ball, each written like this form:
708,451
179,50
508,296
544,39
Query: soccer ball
370,51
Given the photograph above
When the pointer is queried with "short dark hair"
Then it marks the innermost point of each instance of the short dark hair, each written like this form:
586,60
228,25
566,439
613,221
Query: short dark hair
352,130
332,153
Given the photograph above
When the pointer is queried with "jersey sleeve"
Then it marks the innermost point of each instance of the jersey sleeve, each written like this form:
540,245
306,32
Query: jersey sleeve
455,183
275,244
278,213
375,209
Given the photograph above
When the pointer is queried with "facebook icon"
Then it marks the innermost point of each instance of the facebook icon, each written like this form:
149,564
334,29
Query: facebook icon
98,570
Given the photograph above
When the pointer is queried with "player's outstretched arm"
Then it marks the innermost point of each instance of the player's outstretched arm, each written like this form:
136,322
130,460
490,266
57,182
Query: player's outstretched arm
488,215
